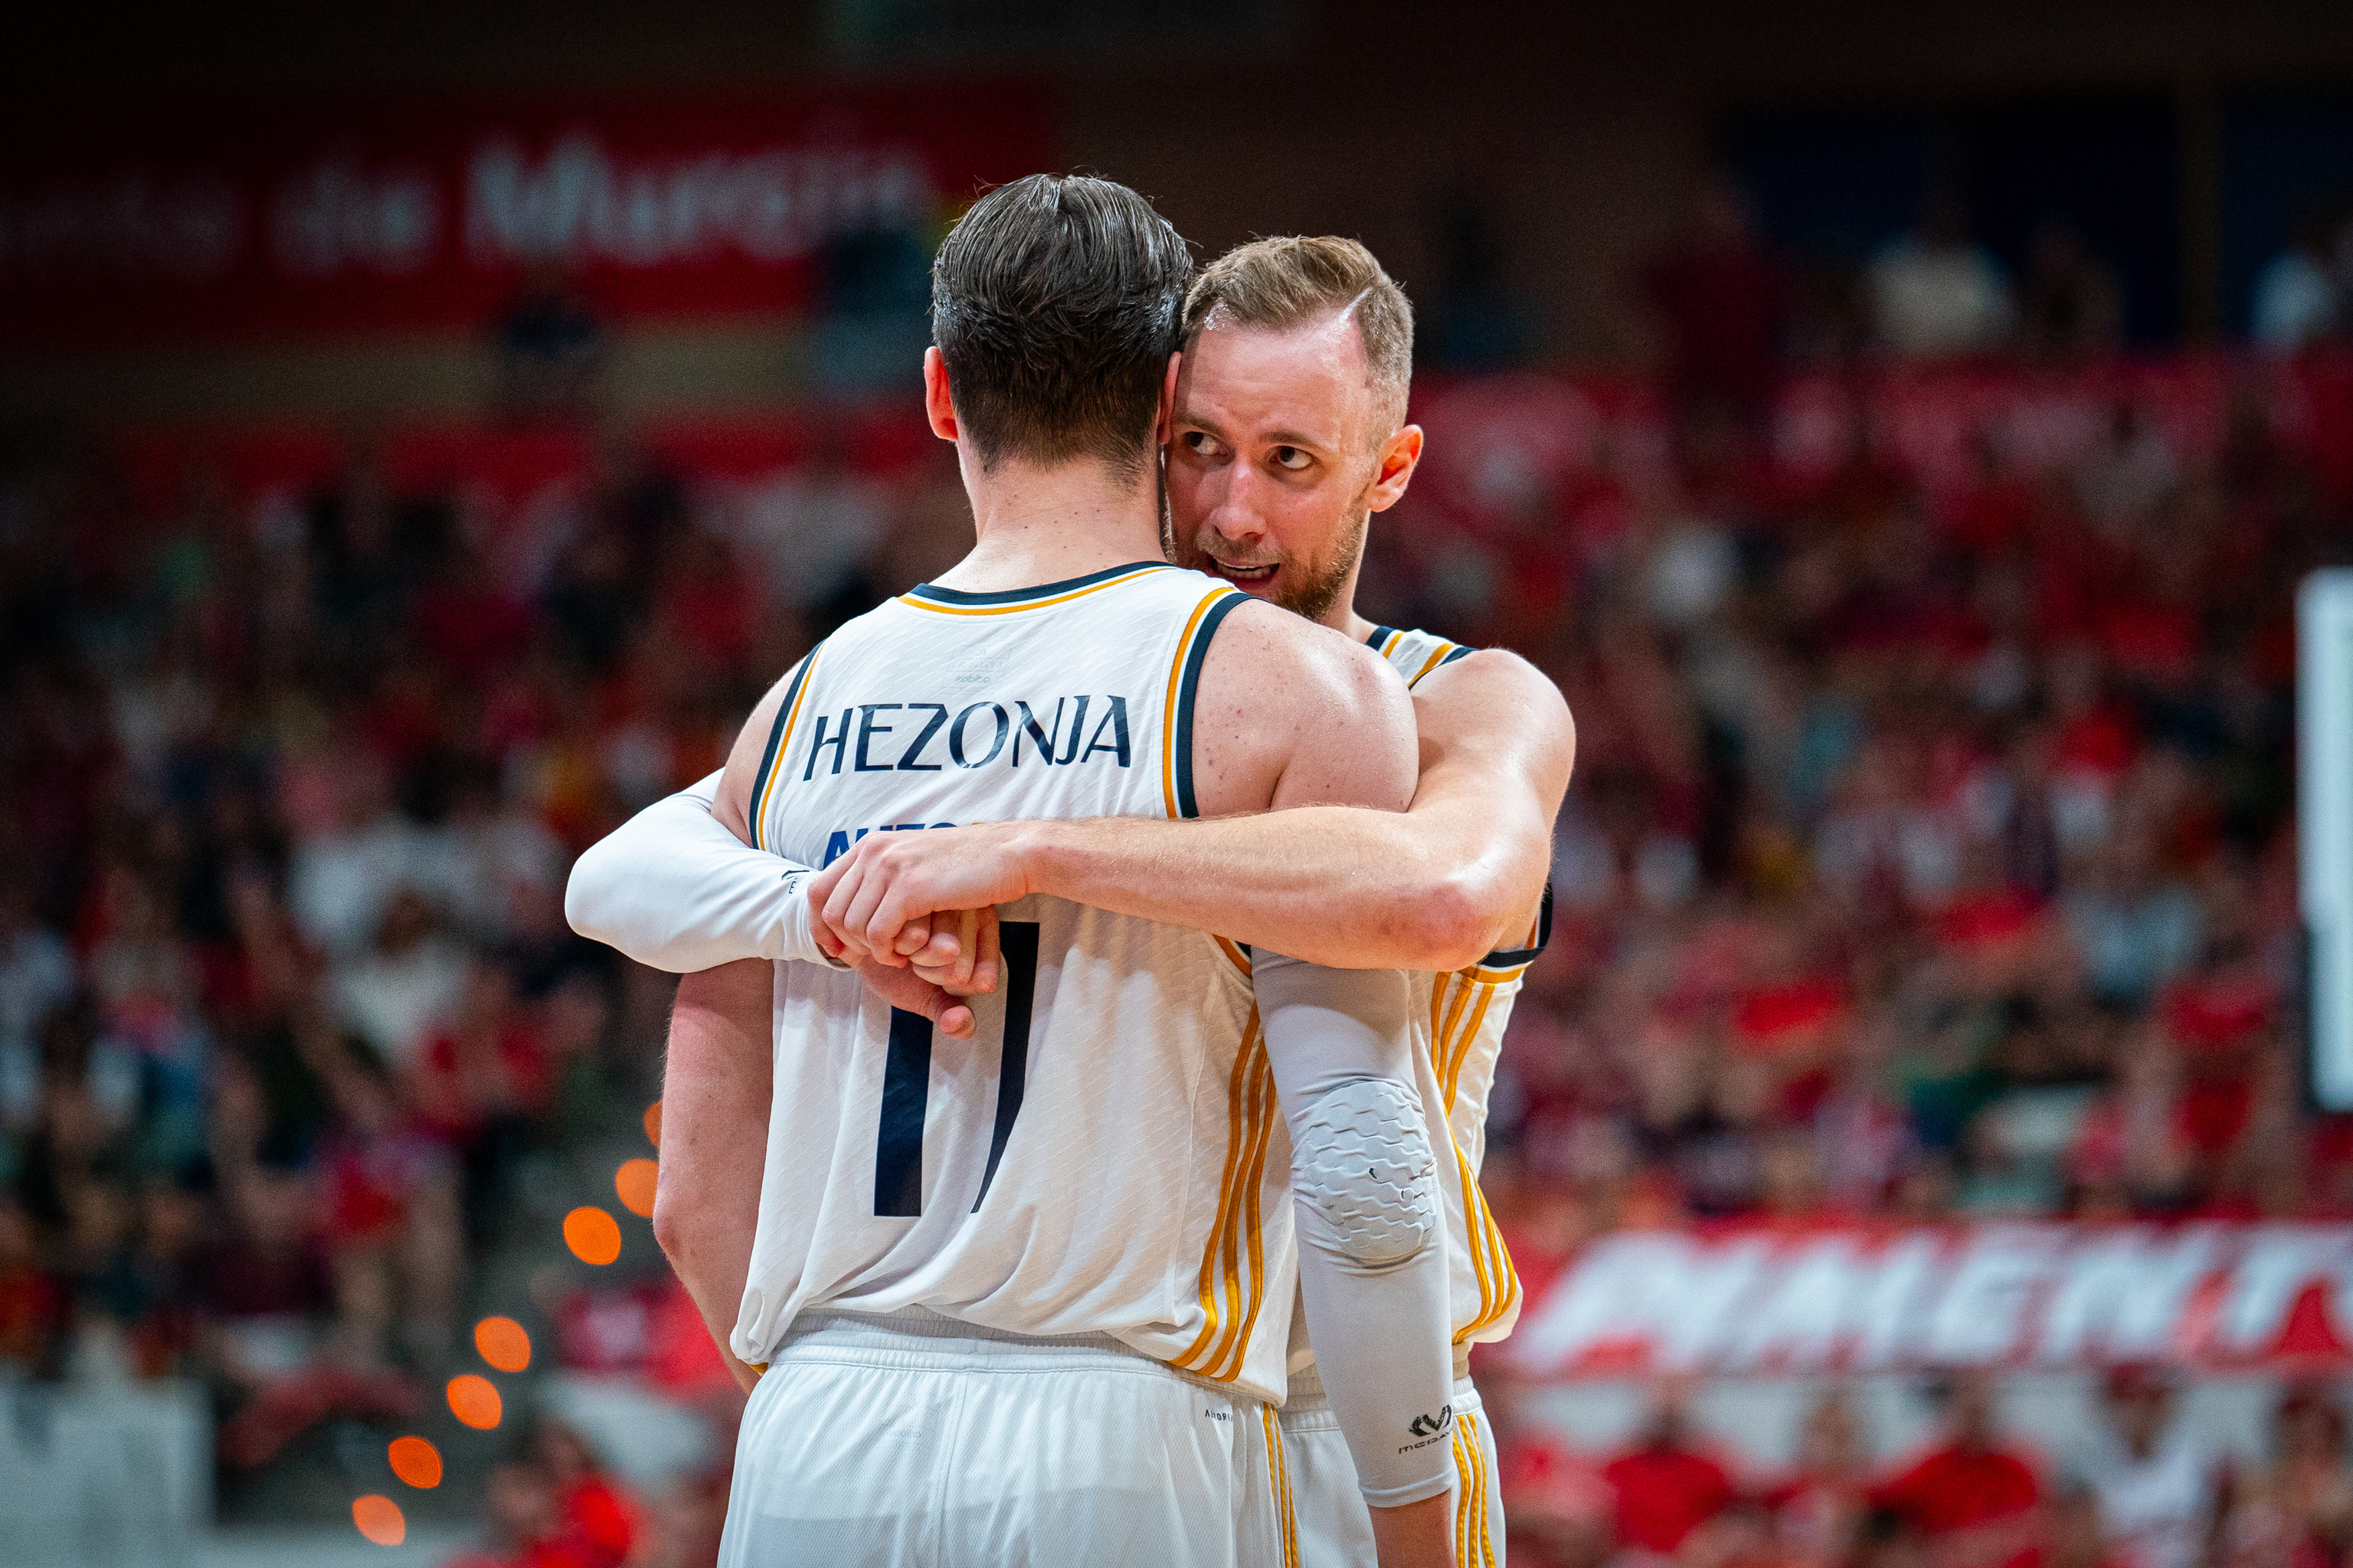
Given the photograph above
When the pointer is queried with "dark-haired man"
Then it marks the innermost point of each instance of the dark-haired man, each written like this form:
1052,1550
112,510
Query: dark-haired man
1029,1298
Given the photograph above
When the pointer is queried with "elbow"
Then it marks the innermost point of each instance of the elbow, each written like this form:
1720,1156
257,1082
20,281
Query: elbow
670,1220
580,894
1451,928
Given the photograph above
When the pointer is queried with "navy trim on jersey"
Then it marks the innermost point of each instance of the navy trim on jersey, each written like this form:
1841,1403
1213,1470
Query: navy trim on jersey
899,1144
1182,745
1461,652
1016,596
1380,635
1505,959
777,733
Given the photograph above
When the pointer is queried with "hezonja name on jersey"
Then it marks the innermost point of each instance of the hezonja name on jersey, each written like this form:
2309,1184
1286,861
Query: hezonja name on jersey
923,738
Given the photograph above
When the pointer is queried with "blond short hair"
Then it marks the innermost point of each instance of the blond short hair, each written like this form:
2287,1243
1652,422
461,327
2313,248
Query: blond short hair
1280,284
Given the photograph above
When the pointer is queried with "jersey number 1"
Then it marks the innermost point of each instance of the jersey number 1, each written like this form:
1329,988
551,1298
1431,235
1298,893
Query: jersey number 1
907,1080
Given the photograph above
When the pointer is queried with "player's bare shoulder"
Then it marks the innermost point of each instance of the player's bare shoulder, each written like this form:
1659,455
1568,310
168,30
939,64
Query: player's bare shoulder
1293,713
1495,674
1490,715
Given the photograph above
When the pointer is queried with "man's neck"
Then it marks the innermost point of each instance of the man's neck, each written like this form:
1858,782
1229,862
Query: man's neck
1045,524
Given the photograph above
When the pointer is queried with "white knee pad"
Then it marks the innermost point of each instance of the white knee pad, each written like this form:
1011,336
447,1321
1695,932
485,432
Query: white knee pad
1363,1163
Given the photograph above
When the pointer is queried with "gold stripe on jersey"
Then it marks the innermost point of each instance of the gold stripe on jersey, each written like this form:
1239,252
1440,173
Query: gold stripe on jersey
1454,1029
776,769
1471,1497
937,607
1437,657
1465,1496
1171,730
1234,955
1233,1260
1278,1481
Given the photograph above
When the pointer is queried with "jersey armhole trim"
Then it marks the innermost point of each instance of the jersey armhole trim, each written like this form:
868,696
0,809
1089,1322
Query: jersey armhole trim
780,735
1186,682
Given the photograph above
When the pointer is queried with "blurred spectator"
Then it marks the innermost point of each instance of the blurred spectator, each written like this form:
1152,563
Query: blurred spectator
33,1303
2298,1511
551,346
2134,927
807,535
600,1517
1937,293
2069,306
392,1222
526,1524
344,875
2297,297
2150,1479
393,995
37,976
1819,1512
1665,1488
1976,1504
1723,302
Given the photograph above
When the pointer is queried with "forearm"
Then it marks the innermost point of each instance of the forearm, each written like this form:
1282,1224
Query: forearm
1372,1263
1330,884
673,889
716,1088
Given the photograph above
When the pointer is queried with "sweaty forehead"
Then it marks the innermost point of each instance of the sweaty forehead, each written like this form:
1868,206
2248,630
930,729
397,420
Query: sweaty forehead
1309,380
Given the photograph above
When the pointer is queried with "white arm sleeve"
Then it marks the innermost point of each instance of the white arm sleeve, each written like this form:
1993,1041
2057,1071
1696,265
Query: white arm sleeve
673,889
1372,1261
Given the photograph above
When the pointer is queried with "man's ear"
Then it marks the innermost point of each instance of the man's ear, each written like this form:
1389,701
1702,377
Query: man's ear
937,404
1166,427
1393,468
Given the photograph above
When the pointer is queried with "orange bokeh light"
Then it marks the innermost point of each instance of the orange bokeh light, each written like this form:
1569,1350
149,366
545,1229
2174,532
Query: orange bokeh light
653,1124
416,1461
474,1400
594,1236
635,1184
379,1519
503,1343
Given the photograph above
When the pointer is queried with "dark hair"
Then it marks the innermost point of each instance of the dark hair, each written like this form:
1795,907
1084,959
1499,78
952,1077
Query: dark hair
1055,303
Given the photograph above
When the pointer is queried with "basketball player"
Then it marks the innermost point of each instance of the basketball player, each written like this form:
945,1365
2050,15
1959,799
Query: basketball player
1290,431
1026,1299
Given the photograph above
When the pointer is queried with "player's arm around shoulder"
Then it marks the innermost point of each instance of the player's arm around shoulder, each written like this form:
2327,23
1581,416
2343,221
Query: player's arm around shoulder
1292,714
1498,744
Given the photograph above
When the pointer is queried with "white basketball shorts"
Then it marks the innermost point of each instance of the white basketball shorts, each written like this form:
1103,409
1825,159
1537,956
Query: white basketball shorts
911,1438
1335,1528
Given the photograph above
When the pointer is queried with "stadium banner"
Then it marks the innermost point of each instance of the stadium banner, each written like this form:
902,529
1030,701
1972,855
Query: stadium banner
2216,1296
290,219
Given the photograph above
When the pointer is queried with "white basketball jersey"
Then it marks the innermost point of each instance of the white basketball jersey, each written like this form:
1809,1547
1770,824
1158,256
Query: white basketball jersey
1105,1155
1458,1019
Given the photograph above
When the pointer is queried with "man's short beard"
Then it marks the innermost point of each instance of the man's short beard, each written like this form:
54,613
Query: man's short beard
1315,597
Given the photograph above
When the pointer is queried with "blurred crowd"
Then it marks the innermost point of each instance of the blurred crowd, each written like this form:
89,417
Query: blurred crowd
1929,856
2144,1488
